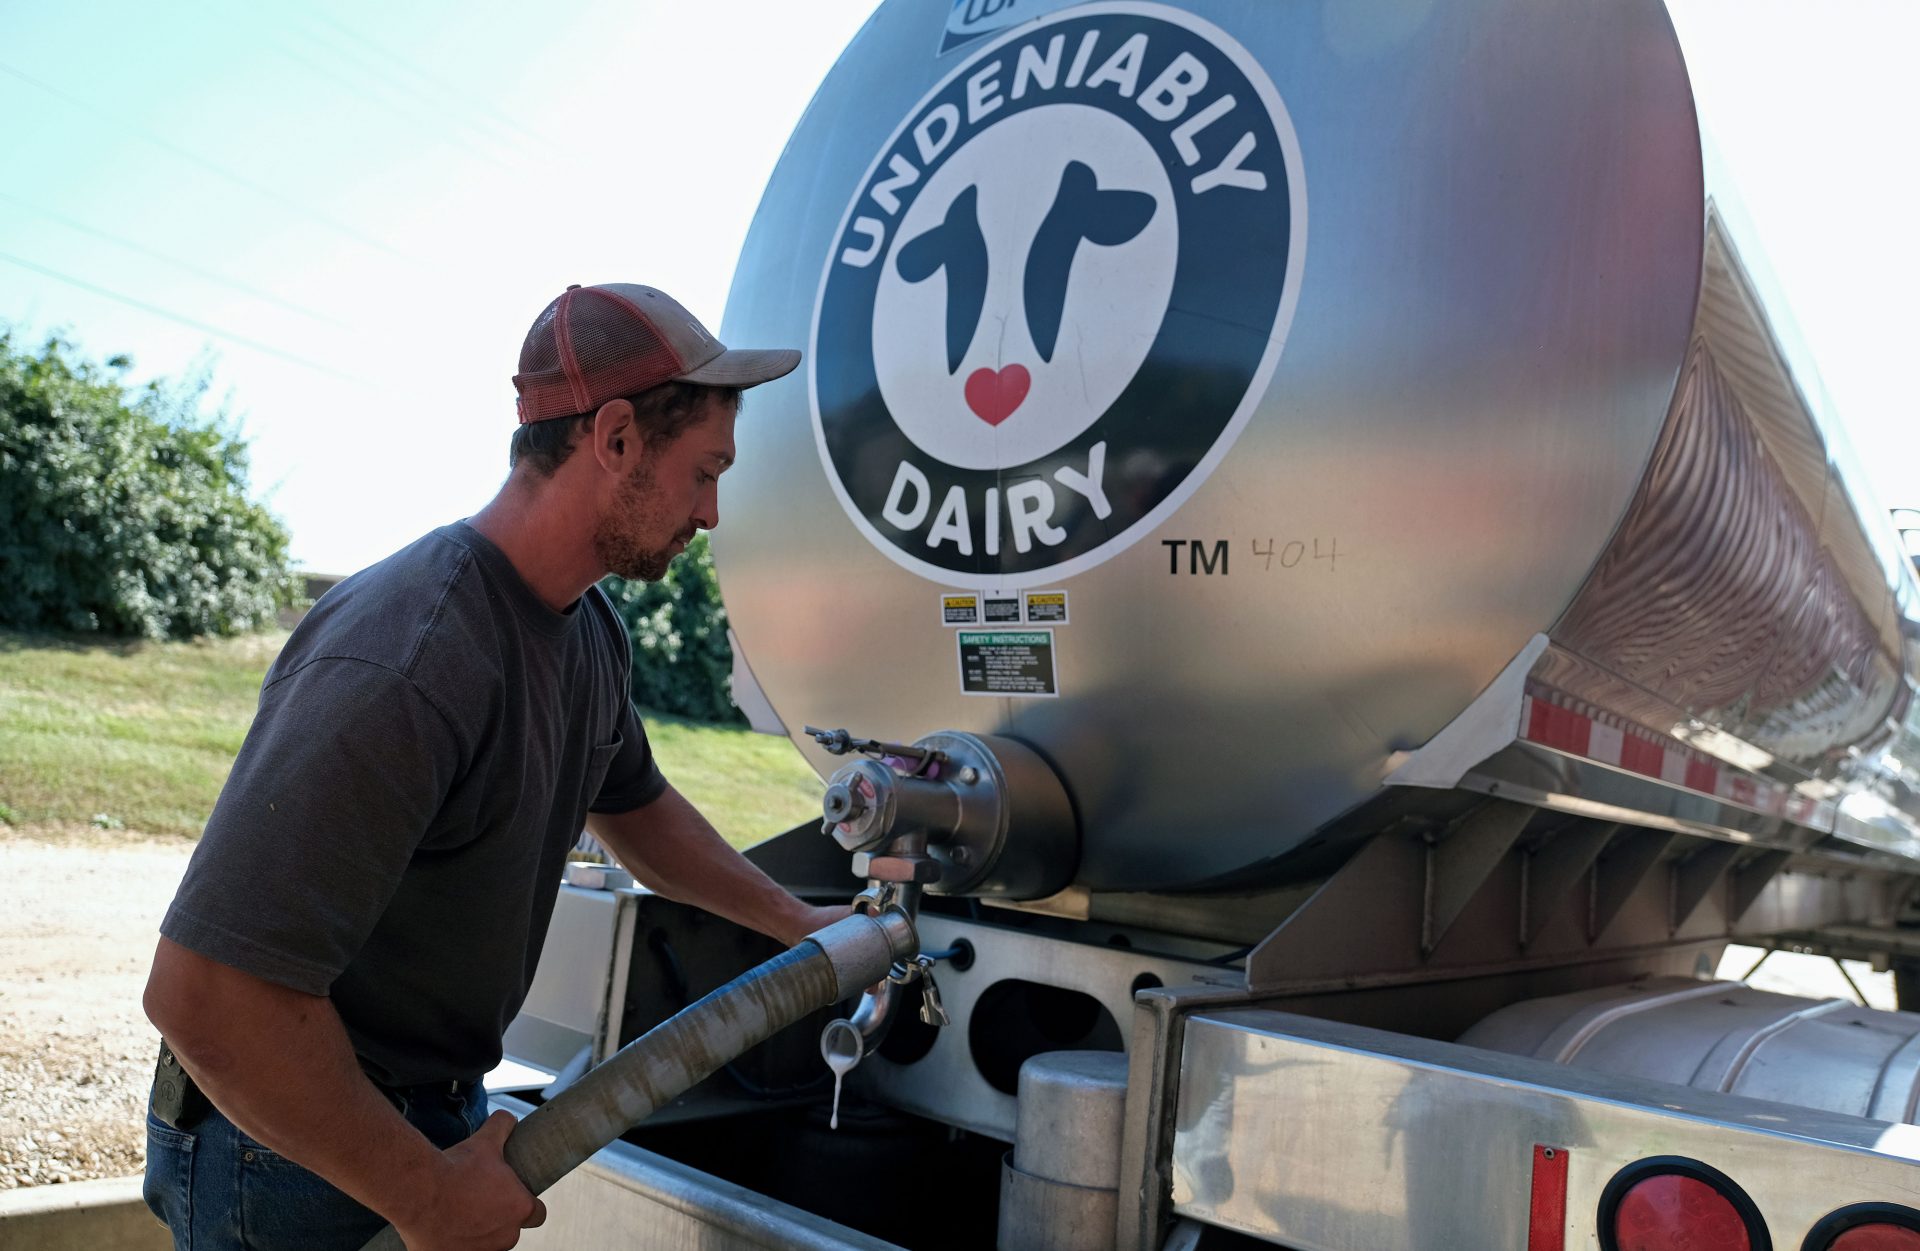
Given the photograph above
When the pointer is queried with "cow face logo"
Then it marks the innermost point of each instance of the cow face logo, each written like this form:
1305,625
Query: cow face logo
1057,295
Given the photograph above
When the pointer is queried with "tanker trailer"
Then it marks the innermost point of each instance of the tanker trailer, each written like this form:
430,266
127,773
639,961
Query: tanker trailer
1315,564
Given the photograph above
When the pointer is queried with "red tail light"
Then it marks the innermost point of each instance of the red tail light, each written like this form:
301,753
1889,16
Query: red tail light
1669,1213
1876,1238
1670,1203
1867,1227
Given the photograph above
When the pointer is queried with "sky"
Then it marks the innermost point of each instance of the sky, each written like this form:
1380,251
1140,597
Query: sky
348,211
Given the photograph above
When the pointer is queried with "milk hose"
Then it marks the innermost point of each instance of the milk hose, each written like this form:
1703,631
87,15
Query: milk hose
825,967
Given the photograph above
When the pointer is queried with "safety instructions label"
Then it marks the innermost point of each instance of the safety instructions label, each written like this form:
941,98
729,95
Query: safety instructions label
1046,607
1007,662
959,609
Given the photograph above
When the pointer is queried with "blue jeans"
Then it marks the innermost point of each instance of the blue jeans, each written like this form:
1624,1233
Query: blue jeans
215,1188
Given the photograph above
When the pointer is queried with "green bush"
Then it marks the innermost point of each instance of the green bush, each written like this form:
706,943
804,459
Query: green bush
682,662
126,513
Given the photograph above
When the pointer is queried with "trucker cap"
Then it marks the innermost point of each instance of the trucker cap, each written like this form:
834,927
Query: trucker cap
599,343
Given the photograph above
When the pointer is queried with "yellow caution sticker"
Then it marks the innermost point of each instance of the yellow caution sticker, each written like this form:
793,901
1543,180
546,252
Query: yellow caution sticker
959,608
1046,607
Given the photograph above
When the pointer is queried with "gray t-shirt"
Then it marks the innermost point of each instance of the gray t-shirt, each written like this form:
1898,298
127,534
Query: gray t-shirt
427,748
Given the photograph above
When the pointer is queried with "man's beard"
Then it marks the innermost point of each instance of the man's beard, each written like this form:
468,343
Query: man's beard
619,540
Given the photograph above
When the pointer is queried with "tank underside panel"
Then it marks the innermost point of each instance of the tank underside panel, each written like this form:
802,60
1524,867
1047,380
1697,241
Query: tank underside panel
1833,1054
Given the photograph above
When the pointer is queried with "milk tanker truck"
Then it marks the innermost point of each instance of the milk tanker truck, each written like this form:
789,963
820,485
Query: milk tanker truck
1322,580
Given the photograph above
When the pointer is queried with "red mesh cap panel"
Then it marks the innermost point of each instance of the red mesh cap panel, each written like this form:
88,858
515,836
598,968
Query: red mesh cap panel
588,347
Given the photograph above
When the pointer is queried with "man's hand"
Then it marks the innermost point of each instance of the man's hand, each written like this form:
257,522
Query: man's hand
278,1063
808,919
477,1203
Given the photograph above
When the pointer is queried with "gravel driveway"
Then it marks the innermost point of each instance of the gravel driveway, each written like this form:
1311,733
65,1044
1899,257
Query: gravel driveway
79,912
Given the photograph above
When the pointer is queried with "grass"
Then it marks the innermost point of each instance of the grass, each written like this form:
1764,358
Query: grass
141,735
751,786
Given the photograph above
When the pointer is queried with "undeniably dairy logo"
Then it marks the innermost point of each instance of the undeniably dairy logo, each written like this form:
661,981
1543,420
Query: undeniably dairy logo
1057,294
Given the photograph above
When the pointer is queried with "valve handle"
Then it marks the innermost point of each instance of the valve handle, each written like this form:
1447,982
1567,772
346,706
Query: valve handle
841,743
932,1011
840,803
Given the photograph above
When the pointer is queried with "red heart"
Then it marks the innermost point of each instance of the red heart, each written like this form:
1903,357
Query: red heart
994,395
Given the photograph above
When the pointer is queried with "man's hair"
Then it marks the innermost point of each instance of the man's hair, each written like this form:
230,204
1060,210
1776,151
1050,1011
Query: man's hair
662,415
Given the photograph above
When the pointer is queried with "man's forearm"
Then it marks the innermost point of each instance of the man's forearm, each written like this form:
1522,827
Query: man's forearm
278,1064
676,852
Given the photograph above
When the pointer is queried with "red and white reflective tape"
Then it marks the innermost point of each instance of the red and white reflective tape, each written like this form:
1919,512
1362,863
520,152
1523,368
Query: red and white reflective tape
1550,719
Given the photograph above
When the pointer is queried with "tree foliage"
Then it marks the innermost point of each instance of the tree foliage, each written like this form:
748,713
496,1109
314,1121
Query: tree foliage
126,512
682,662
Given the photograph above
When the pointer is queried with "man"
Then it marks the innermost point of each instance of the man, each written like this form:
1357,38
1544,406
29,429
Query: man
366,908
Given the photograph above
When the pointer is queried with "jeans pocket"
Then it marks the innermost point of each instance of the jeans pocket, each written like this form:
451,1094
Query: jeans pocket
286,1207
168,1184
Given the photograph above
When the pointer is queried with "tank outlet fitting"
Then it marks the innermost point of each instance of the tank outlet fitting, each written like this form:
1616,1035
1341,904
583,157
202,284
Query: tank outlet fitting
955,813
867,803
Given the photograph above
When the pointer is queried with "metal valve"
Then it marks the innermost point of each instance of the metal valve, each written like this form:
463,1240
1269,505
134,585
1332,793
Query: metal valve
841,803
932,1011
940,814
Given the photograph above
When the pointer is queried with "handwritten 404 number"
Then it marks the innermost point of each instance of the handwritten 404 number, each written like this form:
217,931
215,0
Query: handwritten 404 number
1213,558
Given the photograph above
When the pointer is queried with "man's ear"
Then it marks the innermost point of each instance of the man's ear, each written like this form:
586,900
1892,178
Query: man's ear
616,439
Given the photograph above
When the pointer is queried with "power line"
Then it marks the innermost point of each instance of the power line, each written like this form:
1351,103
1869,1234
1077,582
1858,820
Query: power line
178,262
461,111
184,320
445,123
313,66
542,142
210,165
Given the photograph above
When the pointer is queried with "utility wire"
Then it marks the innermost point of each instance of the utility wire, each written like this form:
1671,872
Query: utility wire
370,81
184,320
540,142
178,262
358,89
212,166
460,110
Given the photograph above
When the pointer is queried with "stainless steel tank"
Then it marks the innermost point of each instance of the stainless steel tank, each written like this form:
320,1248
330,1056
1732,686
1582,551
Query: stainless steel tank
1220,396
